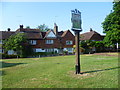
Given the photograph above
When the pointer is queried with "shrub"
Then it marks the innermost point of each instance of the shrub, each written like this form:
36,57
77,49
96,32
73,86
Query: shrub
36,54
5,56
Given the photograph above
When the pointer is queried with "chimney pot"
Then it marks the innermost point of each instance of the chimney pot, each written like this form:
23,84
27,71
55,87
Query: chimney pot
8,29
21,26
55,28
91,29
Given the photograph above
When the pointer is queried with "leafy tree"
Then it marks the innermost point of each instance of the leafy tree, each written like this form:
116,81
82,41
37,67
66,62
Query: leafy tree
81,49
100,46
87,45
28,27
111,26
98,43
43,27
19,44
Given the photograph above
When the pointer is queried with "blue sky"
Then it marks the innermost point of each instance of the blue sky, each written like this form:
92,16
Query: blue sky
35,13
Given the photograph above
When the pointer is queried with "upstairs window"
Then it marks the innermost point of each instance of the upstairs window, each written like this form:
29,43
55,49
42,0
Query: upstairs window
33,42
69,42
49,41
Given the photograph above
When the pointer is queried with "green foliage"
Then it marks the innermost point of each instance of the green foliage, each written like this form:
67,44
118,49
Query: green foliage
87,45
98,44
112,21
43,27
18,43
6,56
112,37
28,27
36,54
111,26
82,50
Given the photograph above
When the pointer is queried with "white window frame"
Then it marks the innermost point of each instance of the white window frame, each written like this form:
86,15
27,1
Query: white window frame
49,41
70,49
38,50
69,42
49,50
33,42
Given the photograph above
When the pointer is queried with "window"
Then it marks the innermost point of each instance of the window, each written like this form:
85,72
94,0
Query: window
38,50
33,42
49,41
70,49
49,50
69,42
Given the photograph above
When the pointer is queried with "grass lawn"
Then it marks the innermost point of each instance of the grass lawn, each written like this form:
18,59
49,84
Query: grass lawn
59,72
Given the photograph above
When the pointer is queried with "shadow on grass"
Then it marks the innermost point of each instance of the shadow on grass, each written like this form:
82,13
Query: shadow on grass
101,70
5,64
2,73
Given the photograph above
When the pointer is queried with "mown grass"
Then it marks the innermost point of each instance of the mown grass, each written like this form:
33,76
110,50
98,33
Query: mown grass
59,72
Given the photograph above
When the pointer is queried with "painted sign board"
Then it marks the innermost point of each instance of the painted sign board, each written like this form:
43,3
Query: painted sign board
76,19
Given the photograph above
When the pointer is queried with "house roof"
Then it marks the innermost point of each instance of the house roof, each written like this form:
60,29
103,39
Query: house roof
64,33
29,30
88,35
31,33
60,33
43,34
5,34
47,33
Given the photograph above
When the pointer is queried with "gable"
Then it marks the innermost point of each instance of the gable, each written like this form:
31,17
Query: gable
86,36
51,35
97,37
67,34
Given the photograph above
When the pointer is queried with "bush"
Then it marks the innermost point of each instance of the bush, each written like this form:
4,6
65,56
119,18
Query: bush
6,56
65,52
37,54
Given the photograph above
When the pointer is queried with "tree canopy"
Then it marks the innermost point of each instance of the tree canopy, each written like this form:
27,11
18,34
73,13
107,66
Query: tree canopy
112,21
111,26
43,27
28,27
18,42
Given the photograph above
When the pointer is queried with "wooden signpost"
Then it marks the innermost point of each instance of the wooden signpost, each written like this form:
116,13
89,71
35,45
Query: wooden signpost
76,27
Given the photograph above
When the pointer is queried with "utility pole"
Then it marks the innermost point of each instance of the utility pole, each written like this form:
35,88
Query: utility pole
76,27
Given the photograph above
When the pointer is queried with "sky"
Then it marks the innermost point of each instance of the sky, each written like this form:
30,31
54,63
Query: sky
33,14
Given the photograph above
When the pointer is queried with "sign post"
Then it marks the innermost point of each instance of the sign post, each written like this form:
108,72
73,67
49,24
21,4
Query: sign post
76,27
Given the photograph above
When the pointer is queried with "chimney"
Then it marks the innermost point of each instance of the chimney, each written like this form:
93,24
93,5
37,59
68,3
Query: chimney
91,30
21,26
8,29
55,29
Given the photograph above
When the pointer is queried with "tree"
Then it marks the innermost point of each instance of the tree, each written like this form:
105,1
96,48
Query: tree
111,25
28,27
81,49
99,45
43,27
19,44
87,45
